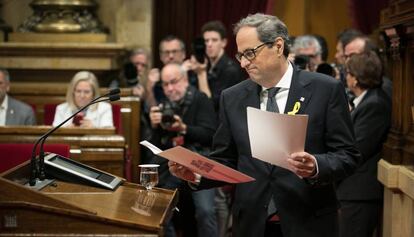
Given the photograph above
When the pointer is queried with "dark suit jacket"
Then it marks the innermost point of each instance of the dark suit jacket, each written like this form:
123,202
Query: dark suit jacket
371,119
200,118
19,113
305,208
225,74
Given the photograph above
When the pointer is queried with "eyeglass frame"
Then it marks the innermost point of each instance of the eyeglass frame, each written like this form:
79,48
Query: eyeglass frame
168,52
172,82
239,55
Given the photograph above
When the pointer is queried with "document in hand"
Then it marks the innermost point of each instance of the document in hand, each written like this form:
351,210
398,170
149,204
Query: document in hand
273,137
199,164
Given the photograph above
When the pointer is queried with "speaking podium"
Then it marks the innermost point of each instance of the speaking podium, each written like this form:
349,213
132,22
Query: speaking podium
73,209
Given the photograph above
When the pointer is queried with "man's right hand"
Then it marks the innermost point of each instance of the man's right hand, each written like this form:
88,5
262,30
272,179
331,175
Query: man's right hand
182,172
155,116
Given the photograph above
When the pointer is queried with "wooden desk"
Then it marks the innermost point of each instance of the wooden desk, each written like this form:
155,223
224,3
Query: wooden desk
72,209
100,148
39,94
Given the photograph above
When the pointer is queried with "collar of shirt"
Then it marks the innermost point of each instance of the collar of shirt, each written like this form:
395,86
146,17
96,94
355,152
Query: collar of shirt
3,111
359,98
5,103
282,95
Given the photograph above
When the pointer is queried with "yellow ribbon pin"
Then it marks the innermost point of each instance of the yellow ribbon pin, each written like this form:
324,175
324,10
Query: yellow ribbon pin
296,108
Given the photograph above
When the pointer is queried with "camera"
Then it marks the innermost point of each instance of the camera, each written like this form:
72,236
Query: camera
199,49
130,74
302,61
168,109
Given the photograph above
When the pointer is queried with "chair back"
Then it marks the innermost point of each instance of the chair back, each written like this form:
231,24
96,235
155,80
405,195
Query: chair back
13,154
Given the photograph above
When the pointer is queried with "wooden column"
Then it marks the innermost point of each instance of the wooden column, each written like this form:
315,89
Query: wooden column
396,170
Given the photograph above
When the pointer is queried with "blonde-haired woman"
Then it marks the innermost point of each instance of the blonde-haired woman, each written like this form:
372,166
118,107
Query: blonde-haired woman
82,89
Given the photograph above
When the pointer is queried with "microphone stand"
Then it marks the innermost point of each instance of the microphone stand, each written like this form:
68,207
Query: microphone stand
37,167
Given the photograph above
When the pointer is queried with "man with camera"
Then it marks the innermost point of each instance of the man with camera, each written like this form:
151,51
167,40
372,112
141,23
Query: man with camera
219,71
185,118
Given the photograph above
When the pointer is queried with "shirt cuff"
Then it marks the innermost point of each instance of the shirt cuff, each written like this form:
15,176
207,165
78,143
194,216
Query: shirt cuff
317,168
194,185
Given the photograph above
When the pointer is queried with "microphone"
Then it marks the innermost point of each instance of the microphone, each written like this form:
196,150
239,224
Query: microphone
38,168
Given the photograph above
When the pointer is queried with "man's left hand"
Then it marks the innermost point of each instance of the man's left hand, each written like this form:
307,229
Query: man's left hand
303,164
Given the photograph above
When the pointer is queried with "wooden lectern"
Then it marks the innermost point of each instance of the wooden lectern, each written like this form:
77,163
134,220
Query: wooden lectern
69,209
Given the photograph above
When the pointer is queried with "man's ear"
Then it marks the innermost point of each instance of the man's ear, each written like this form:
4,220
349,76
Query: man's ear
279,44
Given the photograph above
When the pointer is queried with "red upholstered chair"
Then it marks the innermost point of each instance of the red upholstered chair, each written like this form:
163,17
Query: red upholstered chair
49,113
13,154
50,110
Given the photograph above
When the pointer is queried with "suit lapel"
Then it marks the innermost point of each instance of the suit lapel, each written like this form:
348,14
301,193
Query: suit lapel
252,96
298,92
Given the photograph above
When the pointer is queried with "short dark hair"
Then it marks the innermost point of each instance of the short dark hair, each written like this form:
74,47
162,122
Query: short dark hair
347,35
216,26
169,38
366,68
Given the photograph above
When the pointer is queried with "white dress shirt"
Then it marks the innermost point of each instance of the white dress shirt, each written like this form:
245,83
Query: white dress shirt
281,97
100,117
3,110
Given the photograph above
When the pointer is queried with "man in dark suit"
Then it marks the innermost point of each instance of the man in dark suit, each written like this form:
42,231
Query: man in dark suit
305,199
361,193
12,111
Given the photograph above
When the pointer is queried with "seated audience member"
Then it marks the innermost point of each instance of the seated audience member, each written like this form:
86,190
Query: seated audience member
12,111
360,194
83,89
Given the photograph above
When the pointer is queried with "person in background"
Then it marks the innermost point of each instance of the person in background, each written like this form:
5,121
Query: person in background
361,193
185,118
82,89
304,200
135,72
361,44
217,73
172,50
308,45
343,38
12,111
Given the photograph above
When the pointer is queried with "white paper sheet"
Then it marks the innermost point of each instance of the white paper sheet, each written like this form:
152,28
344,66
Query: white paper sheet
273,137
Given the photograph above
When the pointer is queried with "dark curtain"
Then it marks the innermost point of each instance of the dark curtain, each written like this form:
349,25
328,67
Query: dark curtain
184,19
365,14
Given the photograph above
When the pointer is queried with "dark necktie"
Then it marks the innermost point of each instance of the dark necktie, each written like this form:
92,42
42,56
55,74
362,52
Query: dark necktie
271,99
272,107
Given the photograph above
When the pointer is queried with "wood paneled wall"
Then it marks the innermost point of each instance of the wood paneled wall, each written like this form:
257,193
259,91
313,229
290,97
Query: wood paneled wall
322,17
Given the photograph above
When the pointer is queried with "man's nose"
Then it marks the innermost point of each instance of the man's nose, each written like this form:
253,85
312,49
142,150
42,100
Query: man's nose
244,62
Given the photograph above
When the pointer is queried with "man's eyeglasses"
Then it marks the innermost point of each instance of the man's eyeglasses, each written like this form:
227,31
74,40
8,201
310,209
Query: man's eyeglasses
173,82
168,52
250,54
